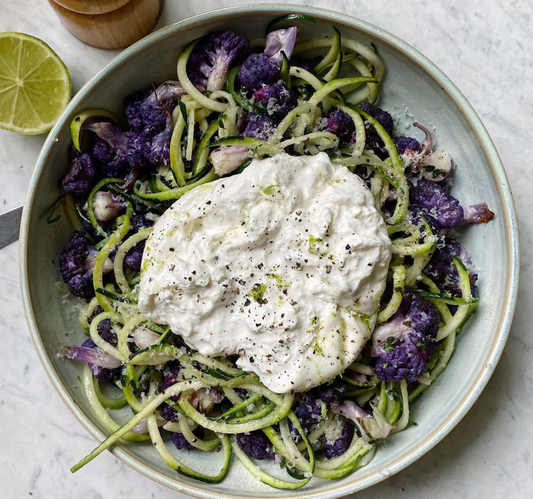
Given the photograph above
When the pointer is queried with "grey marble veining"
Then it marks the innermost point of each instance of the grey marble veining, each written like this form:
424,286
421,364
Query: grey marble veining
487,50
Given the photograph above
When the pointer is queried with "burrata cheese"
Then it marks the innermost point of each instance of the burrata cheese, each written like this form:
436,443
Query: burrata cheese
283,265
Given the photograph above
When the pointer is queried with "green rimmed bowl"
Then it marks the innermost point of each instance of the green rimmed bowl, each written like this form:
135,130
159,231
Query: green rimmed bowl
413,87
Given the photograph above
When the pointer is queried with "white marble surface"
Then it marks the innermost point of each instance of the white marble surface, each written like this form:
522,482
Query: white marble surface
486,47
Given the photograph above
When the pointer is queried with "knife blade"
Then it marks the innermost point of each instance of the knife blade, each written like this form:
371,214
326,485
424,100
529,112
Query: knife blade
10,226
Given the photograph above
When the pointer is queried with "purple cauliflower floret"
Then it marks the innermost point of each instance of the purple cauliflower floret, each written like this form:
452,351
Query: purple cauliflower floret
383,117
340,124
373,140
442,209
107,333
442,270
81,177
170,377
258,70
103,152
331,394
259,127
402,362
404,345
339,446
100,373
148,111
76,267
256,445
407,143
158,153
168,412
137,149
276,99
133,258
213,57
180,441
309,411
310,408
129,149
437,204
143,114
132,109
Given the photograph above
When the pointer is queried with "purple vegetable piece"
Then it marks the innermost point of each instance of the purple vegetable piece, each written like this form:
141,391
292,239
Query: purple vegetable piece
133,258
258,70
442,270
332,393
73,263
159,151
107,333
170,377
103,152
259,127
167,412
129,149
383,117
340,124
434,200
407,144
309,408
478,214
213,57
132,108
373,141
402,362
81,177
256,445
437,204
339,446
180,441
309,411
281,40
404,355
101,373
91,354
276,98
148,111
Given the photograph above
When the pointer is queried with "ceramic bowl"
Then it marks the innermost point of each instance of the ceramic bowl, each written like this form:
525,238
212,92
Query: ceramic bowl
414,89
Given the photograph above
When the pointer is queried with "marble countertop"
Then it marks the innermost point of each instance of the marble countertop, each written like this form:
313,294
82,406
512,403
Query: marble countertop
487,50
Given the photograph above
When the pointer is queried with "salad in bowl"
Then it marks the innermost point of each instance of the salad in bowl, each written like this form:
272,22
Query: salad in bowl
264,267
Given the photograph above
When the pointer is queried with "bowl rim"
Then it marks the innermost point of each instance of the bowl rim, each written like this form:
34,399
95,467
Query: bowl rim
508,215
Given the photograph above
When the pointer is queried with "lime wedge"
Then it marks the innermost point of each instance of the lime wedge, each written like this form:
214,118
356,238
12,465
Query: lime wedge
35,85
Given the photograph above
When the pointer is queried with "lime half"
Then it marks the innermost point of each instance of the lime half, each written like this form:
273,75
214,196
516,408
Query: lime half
35,85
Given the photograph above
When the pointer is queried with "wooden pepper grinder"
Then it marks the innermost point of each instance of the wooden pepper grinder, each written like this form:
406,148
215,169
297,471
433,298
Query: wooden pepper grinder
108,24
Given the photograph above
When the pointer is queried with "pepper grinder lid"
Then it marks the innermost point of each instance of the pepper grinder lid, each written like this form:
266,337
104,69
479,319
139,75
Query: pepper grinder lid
108,24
